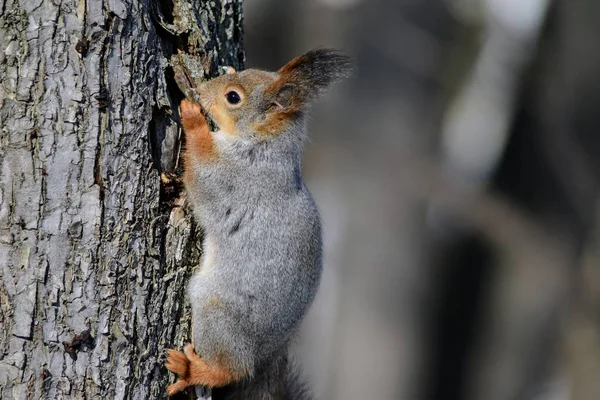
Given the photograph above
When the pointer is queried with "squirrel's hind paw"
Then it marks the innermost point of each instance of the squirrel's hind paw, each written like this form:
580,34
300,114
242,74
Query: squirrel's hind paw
193,370
178,363
177,387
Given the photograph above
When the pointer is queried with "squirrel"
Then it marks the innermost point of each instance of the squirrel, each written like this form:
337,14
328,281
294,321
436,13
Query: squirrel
262,243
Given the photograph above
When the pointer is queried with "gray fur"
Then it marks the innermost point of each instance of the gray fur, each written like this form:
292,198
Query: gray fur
263,232
263,252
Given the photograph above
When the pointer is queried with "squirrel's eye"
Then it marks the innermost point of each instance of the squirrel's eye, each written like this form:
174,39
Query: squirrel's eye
233,97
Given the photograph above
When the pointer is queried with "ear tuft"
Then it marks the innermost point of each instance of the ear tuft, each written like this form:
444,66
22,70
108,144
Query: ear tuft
305,77
321,66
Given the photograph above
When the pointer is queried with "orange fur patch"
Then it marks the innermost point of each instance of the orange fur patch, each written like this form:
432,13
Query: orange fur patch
193,370
277,122
223,118
199,144
215,303
292,64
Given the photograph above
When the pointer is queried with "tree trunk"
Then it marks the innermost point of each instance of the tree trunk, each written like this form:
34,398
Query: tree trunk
95,251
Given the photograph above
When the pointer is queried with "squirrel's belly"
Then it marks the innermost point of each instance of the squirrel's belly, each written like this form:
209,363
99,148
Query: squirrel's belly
208,255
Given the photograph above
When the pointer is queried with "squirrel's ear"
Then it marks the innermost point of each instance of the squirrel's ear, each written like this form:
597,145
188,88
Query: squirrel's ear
304,78
283,98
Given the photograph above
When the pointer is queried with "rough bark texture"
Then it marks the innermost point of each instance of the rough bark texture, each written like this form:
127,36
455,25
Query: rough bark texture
94,257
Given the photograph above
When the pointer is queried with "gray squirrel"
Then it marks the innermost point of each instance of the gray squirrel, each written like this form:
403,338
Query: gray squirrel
262,256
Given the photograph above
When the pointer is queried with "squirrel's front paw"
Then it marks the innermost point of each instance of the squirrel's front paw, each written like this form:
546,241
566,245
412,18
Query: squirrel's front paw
191,116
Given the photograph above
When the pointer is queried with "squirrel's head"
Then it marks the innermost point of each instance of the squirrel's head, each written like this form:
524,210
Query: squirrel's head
265,104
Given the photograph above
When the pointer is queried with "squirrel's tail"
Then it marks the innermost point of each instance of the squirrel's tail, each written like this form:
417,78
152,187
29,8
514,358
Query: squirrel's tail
279,380
295,385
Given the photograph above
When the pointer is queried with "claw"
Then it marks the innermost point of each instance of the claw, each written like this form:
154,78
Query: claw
177,387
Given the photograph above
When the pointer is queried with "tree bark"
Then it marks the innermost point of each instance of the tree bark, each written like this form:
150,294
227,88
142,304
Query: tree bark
95,250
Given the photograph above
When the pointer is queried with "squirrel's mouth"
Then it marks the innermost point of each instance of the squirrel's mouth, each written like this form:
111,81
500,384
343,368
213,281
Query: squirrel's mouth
212,124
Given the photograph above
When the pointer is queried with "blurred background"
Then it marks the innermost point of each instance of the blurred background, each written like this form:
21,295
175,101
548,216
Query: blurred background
457,175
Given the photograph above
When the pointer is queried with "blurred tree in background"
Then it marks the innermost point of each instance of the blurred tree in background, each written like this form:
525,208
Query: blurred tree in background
458,179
